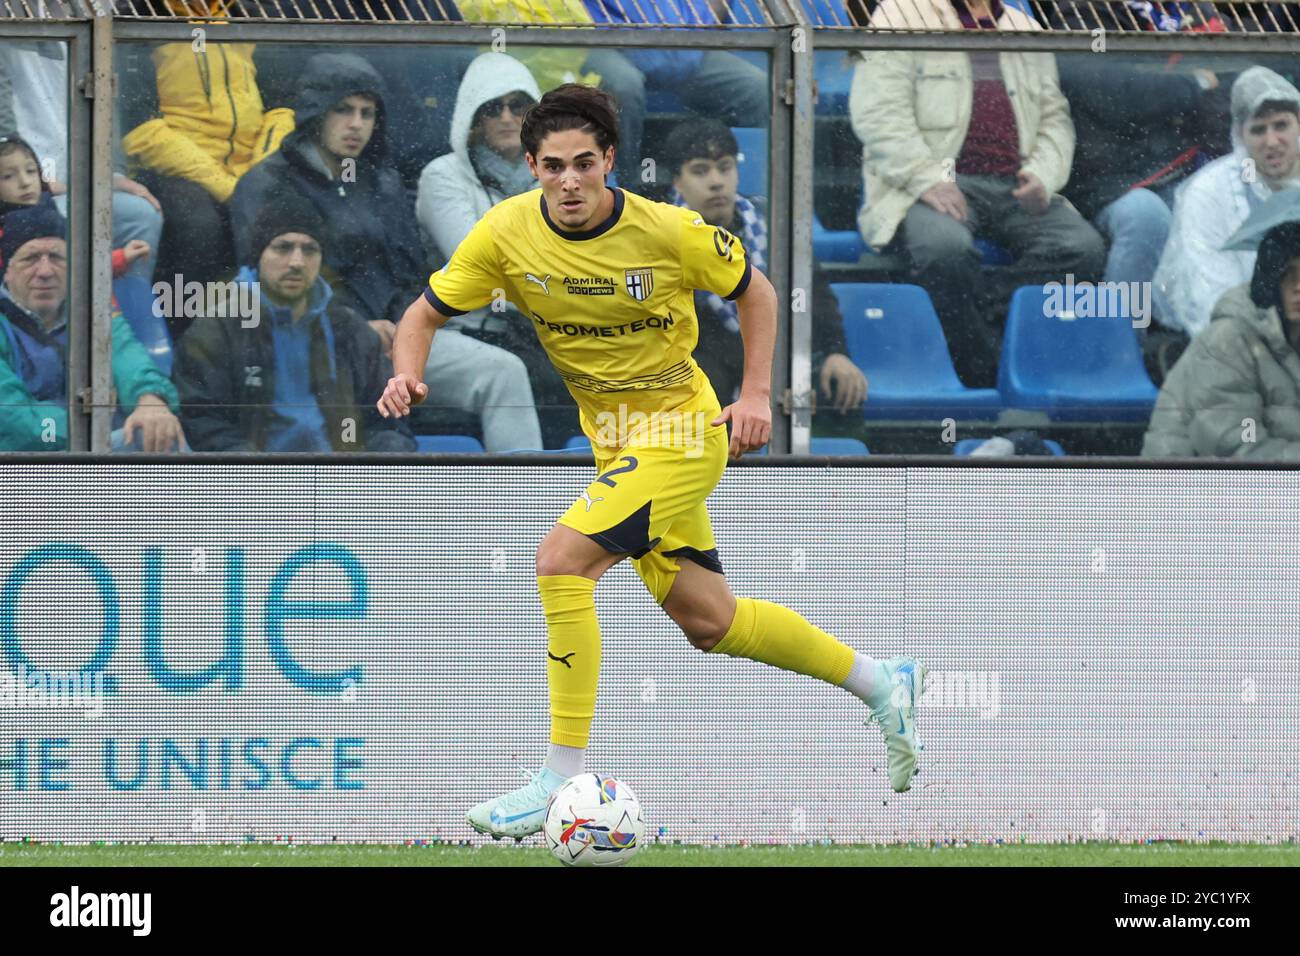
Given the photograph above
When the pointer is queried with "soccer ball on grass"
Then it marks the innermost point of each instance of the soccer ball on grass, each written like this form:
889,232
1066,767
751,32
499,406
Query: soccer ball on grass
593,820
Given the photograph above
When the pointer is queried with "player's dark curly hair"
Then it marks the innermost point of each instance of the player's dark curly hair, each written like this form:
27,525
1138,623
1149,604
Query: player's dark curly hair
571,106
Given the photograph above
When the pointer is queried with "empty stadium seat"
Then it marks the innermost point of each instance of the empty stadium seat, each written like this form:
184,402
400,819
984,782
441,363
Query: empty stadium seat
833,72
838,446
894,336
135,298
968,445
1074,368
577,443
447,444
840,245
752,161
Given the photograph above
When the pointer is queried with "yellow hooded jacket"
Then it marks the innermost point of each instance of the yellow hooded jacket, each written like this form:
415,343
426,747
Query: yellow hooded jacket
550,66
213,127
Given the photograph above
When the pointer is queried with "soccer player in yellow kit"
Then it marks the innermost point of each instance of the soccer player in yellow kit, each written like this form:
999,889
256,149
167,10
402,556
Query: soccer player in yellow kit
607,278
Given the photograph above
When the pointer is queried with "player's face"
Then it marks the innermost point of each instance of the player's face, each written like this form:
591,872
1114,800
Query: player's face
1273,141
709,187
289,266
500,121
348,126
572,171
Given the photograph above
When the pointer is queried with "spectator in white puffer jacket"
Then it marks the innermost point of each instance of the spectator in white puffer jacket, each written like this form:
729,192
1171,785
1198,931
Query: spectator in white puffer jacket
1195,270
485,166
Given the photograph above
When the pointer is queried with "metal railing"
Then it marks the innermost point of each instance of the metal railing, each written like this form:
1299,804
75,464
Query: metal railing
790,32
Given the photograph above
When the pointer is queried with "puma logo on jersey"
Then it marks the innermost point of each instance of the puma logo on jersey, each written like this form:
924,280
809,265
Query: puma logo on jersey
562,660
588,499
541,282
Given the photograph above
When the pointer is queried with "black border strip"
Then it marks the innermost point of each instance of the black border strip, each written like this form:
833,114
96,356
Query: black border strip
550,459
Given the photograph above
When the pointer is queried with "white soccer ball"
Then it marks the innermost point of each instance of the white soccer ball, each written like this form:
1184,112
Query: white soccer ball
592,820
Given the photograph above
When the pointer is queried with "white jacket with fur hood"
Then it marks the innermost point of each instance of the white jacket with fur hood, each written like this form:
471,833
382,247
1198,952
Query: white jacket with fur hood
451,197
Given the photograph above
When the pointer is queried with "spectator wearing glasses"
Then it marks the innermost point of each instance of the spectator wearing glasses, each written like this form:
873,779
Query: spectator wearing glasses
485,166
374,258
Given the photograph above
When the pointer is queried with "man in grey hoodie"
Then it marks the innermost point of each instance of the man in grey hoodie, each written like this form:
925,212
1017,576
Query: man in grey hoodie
1235,393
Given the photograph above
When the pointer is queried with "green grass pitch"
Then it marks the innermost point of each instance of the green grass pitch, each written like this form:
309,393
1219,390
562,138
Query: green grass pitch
531,854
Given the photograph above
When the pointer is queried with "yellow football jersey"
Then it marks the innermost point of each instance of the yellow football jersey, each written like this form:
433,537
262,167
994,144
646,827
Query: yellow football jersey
613,306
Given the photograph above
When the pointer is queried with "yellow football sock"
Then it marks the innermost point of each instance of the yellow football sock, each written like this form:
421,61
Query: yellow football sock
776,635
573,655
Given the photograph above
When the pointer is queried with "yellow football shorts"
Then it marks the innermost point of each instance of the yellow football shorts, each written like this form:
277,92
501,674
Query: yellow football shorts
648,500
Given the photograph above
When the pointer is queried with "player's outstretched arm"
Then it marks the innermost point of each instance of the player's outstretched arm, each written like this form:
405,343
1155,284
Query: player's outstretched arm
410,352
751,414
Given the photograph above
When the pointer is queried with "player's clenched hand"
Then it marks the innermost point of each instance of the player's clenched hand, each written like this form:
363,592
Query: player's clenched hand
751,424
401,392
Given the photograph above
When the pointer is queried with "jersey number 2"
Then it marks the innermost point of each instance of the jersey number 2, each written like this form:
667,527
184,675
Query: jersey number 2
607,479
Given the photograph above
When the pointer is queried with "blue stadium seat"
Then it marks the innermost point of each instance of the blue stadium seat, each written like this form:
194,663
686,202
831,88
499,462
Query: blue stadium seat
833,72
447,444
752,161
1073,368
838,446
135,298
841,245
894,336
968,445
827,13
578,443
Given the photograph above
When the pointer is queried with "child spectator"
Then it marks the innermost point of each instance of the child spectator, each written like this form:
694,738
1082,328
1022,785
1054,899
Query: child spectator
36,72
21,185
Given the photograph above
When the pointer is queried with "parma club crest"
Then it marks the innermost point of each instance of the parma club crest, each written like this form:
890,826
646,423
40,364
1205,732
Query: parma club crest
640,283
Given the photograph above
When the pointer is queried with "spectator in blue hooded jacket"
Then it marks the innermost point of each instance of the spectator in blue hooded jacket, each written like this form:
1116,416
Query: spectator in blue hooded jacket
302,372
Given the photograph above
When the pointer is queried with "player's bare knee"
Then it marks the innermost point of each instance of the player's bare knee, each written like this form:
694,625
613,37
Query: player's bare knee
552,559
705,638
704,631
